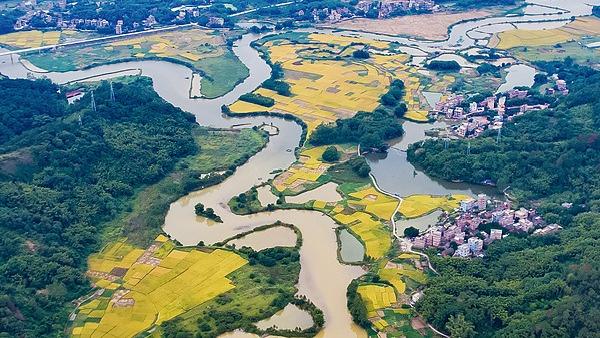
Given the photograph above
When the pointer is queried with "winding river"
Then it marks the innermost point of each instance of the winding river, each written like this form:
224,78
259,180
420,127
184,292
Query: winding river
323,279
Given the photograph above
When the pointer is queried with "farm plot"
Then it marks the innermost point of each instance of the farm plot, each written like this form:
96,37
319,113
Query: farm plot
400,275
419,205
307,173
376,297
328,84
143,288
371,232
581,27
30,39
323,90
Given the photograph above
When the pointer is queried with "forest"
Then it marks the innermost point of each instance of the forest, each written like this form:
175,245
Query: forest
66,170
528,286
371,130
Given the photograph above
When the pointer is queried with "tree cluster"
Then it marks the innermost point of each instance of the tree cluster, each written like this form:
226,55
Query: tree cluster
258,99
370,130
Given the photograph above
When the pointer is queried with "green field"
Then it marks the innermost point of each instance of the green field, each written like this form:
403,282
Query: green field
580,54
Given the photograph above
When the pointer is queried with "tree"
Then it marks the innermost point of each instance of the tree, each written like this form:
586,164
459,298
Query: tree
331,154
361,54
540,79
411,232
389,100
199,208
459,327
401,110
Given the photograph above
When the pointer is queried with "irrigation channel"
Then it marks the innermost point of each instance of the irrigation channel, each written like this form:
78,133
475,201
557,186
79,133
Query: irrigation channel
323,279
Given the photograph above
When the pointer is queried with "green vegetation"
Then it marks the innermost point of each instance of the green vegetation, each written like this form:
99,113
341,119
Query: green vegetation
488,68
331,154
356,306
575,50
536,285
221,152
281,87
222,74
371,130
411,232
393,99
246,203
8,18
258,99
206,212
355,169
263,287
446,66
361,54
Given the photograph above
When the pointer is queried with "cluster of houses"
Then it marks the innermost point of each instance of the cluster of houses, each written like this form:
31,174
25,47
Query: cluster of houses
387,8
491,113
372,8
44,12
459,235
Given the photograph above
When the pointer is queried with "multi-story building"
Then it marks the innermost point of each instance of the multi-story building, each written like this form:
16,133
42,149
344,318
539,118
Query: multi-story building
495,234
475,244
463,250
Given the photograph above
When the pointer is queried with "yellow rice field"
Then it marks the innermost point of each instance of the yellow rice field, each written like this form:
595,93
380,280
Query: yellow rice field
147,290
587,26
419,205
185,44
376,297
373,234
30,39
375,202
326,89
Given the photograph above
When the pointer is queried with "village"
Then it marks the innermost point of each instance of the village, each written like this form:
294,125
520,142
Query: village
53,14
471,119
461,233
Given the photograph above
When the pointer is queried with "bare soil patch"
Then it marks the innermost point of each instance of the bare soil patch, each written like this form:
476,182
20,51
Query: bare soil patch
426,26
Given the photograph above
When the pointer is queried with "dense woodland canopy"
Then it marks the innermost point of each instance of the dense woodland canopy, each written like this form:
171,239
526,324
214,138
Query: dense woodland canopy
370,130
60,180
529,286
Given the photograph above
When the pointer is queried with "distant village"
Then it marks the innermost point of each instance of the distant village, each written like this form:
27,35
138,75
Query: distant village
373,9
49,14
52,14
492,112
459,234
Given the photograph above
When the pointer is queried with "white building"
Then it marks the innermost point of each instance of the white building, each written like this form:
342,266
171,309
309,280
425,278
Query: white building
463,250
475,244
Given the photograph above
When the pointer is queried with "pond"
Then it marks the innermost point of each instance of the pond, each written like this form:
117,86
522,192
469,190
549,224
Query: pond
518,76
351,249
